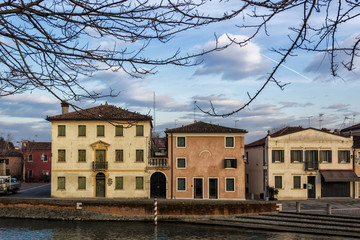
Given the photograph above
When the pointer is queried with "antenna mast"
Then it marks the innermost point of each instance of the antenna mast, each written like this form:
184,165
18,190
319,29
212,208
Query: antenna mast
154,131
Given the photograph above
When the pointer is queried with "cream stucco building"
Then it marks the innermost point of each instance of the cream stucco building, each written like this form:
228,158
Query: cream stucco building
100,152
301,164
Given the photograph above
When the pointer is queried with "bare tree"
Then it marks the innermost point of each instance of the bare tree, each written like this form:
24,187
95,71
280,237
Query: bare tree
50,44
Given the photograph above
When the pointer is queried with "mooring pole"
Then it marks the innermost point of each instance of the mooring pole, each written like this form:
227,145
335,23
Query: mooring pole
155,211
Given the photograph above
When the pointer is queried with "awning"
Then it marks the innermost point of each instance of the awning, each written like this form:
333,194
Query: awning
339,176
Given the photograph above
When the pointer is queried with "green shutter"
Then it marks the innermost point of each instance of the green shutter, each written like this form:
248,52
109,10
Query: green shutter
230,185
278,181
139,183
181,142
81,182
82,130
61,130
61,155
100,130
181,184
82,156
229,142
61,183
139,130
119,183
297,182
139,155
100,156
119,155
181,163
119,130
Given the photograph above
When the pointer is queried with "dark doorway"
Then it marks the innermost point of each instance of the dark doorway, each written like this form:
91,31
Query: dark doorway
100,185
335,189
198,191
213,188
311,186
158,185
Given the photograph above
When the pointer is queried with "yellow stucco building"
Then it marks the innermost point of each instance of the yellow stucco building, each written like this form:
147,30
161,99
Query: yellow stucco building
301,164
100,152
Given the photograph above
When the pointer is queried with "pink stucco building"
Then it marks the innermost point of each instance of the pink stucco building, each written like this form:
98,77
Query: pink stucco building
206,161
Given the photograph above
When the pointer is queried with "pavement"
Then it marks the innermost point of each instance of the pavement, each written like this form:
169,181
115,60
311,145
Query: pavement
25,185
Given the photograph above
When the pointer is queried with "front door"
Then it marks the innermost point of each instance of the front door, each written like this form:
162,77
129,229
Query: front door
213,188
198,191
158,185
100,185
311,186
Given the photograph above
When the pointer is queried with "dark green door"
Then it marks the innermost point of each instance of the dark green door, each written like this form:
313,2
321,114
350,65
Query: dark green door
311,186
198,191
100,185
213,189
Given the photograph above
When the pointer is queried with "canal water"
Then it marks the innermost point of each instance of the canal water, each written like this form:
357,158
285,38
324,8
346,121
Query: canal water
47,229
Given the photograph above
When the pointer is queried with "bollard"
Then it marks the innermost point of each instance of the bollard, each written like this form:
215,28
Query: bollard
328,209
155,211
78,206
279,207
298,207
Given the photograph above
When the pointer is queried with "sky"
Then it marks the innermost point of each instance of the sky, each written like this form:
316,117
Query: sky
311,98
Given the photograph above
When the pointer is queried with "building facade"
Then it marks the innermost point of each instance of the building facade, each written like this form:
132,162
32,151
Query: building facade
205,162
37,161
11,163
301,164
100,152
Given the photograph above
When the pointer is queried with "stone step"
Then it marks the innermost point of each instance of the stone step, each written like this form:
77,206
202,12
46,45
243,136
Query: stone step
349,219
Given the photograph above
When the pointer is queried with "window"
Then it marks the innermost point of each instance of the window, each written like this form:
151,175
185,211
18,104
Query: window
180,142
230,185
82,130
311,160
181,163
139,130
30,158
82,155
278,181
45,159
139,183
297,182
100,130
7,172
61,155
229,142
119,131
230,163
61,130
81,183
296,155
119,155
325,156
61,183
344,156
139,155
7,162
30,174
181,184
277,155
119,183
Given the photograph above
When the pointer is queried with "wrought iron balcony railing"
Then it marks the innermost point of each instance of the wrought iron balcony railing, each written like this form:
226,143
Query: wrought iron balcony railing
98,166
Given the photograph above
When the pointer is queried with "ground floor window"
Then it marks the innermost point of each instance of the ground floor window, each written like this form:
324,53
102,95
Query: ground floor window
278,181
139,183
81,183
297,182
230,184
119,183
61,183
181,184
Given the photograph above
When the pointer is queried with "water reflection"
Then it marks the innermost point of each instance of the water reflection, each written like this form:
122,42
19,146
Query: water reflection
41,229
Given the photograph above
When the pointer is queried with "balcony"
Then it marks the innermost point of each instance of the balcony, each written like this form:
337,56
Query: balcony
157,163
100,166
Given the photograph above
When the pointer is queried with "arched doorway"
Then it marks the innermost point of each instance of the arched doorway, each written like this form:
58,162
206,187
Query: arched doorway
100,185
158,185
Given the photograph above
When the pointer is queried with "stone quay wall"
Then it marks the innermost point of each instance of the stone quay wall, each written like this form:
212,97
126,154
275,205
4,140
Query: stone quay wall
126,210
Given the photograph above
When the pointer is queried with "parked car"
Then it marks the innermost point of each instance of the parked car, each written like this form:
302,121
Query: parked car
9,184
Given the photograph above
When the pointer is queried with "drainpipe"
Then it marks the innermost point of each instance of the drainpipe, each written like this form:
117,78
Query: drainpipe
172,170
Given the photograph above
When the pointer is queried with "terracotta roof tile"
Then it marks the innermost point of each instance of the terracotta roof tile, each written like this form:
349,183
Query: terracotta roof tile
38,146
202,127
11,153
260,142
353,127
103,113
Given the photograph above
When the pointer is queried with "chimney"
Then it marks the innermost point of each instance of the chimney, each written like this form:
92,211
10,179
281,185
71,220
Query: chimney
64,107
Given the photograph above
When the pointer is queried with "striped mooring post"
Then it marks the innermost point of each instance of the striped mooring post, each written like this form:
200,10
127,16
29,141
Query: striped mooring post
155,211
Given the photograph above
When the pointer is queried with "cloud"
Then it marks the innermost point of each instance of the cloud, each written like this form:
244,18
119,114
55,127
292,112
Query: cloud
234,62
295,104
338,107
320,64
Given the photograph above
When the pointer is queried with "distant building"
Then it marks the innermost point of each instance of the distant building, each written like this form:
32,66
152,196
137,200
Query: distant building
301,164
11,163
37,158
206,161
352,130
101,151
356,153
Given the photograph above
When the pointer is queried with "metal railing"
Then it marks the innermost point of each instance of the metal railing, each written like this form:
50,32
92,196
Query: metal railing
100,166
158,163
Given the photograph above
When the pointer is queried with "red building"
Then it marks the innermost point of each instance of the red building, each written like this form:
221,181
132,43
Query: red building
37,157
